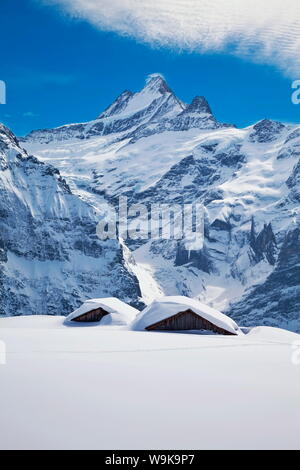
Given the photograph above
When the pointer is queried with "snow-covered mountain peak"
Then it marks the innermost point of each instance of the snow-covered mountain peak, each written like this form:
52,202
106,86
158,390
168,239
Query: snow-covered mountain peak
152,110
150,98
156,102
198,105
266,131
10,150
118,105
156,83
156,99
7,138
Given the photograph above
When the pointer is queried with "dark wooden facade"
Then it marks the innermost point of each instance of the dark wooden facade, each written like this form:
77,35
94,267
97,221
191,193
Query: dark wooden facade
187,320
93,316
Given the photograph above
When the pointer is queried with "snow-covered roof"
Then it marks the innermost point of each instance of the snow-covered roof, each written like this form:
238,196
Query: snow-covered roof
120,313
166,307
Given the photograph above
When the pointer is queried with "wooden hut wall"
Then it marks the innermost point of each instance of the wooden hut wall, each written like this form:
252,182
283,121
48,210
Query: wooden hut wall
187,320
93,316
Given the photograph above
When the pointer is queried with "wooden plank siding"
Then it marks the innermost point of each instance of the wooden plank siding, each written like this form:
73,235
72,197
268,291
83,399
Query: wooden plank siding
187,320
93,316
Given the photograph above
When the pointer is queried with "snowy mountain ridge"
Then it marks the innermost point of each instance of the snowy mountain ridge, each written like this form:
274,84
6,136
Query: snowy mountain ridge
154,107
153,148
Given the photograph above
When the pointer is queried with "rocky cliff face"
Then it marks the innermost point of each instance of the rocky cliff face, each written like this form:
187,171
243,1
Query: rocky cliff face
154,149
50,256
277,300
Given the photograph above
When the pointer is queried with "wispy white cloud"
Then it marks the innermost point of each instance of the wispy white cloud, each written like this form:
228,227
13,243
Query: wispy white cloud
29,114
266,31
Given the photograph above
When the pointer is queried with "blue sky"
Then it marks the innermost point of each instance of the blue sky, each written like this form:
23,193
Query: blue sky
60,70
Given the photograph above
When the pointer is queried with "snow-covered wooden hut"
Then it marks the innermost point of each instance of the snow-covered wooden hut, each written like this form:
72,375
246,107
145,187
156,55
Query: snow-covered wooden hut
108,311
183,313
